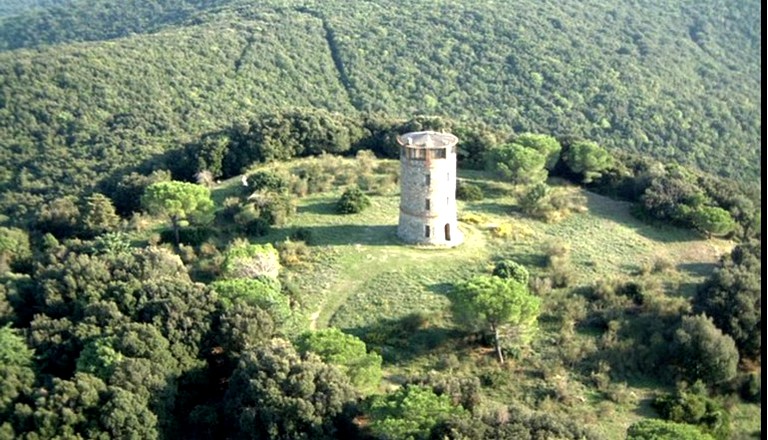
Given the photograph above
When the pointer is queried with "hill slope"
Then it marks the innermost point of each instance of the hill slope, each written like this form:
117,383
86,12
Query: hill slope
677,80
75,113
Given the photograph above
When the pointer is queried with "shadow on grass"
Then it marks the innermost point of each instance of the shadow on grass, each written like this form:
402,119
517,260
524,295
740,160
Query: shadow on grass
620,212
700,269
404,339
320,207
489,207
527,259
335,235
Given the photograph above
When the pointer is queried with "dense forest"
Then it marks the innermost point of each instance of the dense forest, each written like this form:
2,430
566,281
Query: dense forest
102,87
145,292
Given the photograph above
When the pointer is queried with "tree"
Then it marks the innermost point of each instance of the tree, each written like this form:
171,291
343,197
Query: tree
704,352
732,296
346,351
712,220
178,200
497,302
260,292
410,413
654,429
517,163
587,159
544,144
692,405
60,217
14,246
16,374
98,215
126,415
352,201
276,393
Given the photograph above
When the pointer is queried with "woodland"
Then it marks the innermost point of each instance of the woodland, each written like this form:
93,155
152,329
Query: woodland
197,203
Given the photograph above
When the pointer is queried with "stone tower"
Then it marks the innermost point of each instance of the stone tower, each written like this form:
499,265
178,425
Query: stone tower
428,189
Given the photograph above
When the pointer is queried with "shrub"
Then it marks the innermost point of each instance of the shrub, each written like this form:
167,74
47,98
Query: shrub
292,252
469,192
652,429
352,201
511,269
266,181
245,260
692,406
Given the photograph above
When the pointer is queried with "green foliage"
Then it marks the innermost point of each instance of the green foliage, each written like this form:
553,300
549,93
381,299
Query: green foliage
272,207
587,159
732,296
192,235
712,220
517,163
98,358
653,429
544,144
352,201
347,352
99,214
275,393
511,269
703,352
244,326
692,406
14,247
245,260
77,118
129,189
177,200
493,302
468,192
266,181
13,349
551,204
261,292
410,413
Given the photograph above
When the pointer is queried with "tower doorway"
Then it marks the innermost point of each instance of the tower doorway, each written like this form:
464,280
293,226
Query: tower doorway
447,232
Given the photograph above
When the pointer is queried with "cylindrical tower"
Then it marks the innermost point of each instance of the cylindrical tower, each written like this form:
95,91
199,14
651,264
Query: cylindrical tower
428,189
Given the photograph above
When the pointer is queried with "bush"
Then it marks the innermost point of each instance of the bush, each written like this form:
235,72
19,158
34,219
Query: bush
652,429
352,201
692,406
266,181
511,269
469,192
292,252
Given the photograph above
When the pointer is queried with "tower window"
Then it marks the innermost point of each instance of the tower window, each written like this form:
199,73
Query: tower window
427,179
426,231
426,205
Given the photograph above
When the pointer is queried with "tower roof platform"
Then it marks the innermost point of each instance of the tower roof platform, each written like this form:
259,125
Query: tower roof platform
427,139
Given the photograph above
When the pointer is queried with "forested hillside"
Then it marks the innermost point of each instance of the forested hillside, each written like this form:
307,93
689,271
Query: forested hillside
199,207
677,80
76,114
16,7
